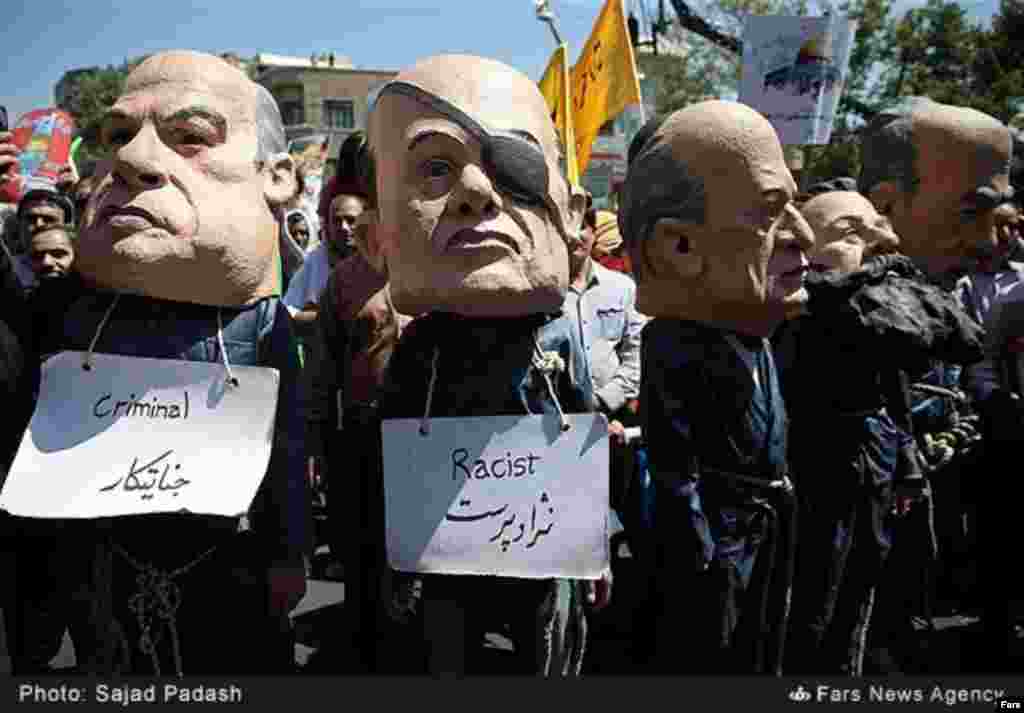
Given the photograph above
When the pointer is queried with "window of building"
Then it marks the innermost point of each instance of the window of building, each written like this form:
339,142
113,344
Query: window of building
292,113
339,114
290,100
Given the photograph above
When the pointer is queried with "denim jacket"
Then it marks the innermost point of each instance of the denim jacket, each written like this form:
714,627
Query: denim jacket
484,367
257,335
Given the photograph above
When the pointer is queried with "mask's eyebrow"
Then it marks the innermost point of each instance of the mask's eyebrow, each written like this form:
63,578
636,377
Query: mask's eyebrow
426,134
201,112
852,217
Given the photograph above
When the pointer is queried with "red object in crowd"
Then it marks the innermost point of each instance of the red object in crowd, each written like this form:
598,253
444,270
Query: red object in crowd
44,138
1015,345
619,264
331,190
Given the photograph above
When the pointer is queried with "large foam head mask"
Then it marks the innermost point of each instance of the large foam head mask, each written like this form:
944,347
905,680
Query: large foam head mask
938,172
188,208
474,211
847,229
706,205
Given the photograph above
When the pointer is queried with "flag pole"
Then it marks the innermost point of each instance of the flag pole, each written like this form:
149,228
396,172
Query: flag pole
545,15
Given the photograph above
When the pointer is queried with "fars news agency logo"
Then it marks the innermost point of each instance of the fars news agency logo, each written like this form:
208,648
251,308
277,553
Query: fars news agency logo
800,694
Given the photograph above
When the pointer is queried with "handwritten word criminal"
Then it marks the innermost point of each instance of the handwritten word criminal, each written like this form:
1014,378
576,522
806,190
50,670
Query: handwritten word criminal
140,409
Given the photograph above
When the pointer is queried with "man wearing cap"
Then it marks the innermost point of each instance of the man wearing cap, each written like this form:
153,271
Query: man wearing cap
609,250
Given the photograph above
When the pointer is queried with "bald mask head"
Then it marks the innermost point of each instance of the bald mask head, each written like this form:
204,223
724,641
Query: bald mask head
706,205
188,208
847,229
937,172
474,212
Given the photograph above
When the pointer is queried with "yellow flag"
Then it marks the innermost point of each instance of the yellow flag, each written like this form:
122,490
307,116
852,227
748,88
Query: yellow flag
554,85
604,80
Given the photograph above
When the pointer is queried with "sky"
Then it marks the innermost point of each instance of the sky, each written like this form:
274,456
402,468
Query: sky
42,40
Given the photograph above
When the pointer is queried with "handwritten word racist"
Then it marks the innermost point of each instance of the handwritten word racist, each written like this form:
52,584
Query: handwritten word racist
510,522
134,408
507,467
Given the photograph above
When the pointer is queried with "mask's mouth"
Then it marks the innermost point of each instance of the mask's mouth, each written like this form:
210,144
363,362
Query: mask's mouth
469,239
130,219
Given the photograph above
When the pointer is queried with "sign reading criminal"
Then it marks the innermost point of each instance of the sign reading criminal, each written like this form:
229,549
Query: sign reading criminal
131,436
504,495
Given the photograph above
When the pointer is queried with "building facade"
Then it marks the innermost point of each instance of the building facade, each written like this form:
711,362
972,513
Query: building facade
321,97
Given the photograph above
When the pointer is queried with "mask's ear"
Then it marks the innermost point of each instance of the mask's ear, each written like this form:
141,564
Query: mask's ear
279,183
672,249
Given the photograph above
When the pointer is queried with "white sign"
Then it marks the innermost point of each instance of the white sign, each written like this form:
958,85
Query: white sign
794,70
133,436
505,495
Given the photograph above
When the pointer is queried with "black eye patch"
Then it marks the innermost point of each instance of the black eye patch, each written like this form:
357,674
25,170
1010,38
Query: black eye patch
517,165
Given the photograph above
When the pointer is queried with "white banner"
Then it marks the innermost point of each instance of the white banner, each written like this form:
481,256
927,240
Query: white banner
505,495
794,70
133,436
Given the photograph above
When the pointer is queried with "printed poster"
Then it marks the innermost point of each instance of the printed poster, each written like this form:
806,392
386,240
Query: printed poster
794,71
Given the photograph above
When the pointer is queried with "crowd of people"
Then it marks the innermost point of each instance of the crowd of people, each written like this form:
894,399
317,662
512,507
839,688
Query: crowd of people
812,396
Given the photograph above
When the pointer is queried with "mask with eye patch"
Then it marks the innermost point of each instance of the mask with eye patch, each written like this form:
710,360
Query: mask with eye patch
514,162
490,238
512,159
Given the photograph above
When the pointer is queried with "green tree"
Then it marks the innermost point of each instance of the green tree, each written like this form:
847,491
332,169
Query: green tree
871,52
934,51
999,65
97,92
936,48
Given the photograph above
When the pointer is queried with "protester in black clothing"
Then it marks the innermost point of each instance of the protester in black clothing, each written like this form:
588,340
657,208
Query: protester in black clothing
15,369
939,173
717,250
852,447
